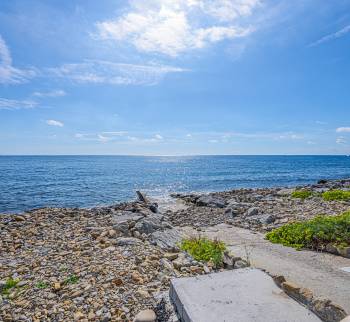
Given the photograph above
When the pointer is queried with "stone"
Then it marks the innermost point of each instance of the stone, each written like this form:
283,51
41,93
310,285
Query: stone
57,286
167,239
182,261
241,264
145,316
78,316
228,260
127,241
291,289
253,211
149,224
330,248
171,256
19,218
328,311
143,294
344,251
211,201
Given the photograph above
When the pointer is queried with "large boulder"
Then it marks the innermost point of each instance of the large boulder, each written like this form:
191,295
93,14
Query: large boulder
149,224
211,201
167,239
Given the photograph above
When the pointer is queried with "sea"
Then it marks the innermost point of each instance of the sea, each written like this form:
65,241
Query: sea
28,182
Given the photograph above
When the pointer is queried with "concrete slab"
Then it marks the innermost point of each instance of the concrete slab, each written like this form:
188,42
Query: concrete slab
242,295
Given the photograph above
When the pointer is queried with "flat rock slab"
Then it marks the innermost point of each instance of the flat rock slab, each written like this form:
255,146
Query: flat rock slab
242,295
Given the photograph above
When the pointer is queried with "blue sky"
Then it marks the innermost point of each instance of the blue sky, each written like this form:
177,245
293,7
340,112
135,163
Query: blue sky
173,77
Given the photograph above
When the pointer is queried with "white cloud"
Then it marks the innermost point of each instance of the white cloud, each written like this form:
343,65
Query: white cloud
340,33
343,129
105,72
158,137
173,27
8,73
341,140
54,123
55,93
10,104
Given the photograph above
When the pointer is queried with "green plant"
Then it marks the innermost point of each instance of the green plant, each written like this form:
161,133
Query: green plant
301,194
315,233
203,249
336,195
42,285
71,279
9,284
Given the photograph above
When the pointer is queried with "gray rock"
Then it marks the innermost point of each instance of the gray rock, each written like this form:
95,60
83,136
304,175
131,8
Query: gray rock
149,224
166,239
126,216
182,261
211,201
231,212
252,211
241,264
127,241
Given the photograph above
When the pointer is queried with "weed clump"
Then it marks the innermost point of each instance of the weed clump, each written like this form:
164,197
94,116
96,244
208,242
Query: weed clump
301,194
203,249
336,195
71,279
315,233
9,284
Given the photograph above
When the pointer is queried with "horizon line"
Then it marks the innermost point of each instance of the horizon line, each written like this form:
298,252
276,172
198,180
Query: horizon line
163,155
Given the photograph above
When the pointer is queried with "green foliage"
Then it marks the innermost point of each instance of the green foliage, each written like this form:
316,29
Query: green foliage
203,249
301,194
71,279
336,195
10,284
42,285
315,233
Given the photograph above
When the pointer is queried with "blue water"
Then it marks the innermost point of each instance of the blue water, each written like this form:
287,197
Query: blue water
28,182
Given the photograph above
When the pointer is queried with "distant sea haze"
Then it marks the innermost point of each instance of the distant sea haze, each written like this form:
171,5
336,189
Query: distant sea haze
28,182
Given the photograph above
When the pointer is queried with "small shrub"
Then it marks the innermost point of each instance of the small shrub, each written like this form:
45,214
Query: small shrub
336,195
315,233
10,284
71,279
42,285
301,194
203,249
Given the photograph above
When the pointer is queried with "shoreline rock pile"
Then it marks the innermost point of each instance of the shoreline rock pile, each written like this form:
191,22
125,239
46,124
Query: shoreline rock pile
260,209
103,264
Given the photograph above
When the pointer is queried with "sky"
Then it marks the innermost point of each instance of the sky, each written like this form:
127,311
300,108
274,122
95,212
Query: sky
174,77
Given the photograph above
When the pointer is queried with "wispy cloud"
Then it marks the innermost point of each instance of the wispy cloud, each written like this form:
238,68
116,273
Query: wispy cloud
10,104
54,123
341,140
8,73
54,93
105,72
343,129
340,33
173,27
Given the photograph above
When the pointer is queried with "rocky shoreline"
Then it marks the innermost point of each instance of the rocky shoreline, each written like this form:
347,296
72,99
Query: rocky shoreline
112,263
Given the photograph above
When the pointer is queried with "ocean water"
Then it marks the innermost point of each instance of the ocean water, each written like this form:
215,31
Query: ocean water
28,182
